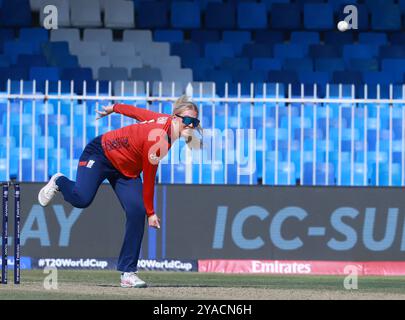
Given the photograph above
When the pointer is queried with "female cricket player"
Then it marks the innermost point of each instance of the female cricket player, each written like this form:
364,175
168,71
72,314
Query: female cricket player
120,156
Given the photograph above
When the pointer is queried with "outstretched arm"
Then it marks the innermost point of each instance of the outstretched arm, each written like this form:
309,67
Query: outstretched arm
137,113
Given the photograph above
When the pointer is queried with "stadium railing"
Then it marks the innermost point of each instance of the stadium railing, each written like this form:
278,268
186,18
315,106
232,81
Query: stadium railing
270,134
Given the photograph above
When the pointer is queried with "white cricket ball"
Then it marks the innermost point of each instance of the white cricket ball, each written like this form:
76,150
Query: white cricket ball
343,26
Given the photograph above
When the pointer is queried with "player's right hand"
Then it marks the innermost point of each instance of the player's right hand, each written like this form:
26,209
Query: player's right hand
154,221
106,111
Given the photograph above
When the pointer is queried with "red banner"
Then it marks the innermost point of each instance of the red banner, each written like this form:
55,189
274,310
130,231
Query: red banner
373,268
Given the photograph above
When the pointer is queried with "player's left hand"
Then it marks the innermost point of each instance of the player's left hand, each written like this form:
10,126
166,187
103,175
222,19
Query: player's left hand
154,221
106,111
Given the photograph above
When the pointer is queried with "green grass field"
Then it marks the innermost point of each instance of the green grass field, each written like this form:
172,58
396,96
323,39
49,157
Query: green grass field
169,285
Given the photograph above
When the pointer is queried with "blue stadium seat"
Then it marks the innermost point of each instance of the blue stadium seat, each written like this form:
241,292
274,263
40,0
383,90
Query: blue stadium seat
268,37
218,176
334,91
179,173
318,77
266,64
185,15
392,52
186,50
33,35
308,169
347,77
358,51
5,61
102,86
16,13
386,17
337,38
64,86
218,51
305,37
245,178
197,63
363,64
252,16
269,3
285,16
257,50
152,14
373,38
394,66
218,76
235,64
165,173
271,90
6,35
237,39
40,85
199,67
238,1
377,4
220,16
252,76
204,3
52,49
13,73
68,61
338,5
396,175
203,36
308,89
15,48
372,92
298,64
397,38
44,73
398,93
27,60
325,174
289,51
167,35
78,75
359,173
375,77
301,3
286,173
324,51
284,77
318,16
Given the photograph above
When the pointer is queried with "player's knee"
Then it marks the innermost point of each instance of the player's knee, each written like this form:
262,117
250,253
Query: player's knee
82,202
135,212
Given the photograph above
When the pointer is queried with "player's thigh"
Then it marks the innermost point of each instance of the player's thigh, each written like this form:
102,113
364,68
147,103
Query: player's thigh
91,172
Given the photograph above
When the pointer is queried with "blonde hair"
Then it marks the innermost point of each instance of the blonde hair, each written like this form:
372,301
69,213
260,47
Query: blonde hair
182,104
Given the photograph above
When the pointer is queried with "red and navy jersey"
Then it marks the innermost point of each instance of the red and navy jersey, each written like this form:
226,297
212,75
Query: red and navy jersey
139,147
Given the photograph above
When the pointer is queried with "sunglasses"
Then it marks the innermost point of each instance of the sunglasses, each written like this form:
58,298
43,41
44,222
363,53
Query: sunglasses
189,120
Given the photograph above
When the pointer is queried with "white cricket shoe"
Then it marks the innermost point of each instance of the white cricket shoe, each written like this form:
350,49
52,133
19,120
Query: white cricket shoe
131,280
46,194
